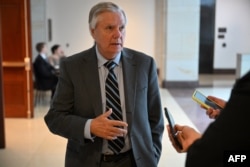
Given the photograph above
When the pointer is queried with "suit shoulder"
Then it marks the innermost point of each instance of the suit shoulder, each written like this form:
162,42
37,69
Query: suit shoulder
137,54
37,58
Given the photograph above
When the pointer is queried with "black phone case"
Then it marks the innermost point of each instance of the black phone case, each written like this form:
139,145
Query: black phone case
172,124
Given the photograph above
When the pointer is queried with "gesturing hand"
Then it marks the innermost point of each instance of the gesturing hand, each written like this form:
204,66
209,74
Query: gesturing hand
108,129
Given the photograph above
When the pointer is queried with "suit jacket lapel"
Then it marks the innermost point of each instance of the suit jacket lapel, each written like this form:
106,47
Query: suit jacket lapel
91,78
90,72
129,77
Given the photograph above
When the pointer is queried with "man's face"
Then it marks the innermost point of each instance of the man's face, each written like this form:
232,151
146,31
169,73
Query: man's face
109,33
44,49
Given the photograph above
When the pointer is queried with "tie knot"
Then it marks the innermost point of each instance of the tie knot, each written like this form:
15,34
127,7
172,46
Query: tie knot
110,65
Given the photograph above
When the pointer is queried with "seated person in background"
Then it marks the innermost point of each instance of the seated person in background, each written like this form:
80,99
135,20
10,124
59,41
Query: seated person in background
227,133
44,72
57,54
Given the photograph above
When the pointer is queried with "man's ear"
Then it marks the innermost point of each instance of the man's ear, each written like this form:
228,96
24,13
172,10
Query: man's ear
92,32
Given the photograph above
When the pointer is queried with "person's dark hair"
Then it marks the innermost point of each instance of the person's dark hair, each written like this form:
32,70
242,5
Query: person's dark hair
103,7
54,48
40,46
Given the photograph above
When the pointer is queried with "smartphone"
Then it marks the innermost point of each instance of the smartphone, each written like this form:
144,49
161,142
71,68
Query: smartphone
172,129
204,101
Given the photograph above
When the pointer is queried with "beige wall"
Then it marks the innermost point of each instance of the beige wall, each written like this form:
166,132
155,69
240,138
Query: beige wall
234,16
167,30
70,24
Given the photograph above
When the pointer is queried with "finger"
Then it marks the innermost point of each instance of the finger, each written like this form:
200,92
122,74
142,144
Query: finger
180,138
178,127
213,98
122,132
170,135
110,134
111,137
116,132
202,106
173,141
214,115
118,123
107,113
171,138
169,132
209,111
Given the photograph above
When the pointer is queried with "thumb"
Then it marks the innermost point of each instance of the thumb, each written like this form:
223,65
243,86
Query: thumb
108,113
178,127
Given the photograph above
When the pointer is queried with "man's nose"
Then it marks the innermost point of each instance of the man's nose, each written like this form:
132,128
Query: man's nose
117,33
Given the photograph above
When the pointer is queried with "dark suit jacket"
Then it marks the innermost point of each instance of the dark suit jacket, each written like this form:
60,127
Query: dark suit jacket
229,131
78,98
44,74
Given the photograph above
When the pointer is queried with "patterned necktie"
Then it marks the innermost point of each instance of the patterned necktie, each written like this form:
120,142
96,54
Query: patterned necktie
113,101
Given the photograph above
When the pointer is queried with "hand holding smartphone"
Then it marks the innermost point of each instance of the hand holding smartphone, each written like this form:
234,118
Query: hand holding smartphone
172,129
204,101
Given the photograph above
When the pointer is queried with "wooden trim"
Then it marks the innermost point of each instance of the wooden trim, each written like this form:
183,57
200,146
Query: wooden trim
2,128
13,64
27,58
23,103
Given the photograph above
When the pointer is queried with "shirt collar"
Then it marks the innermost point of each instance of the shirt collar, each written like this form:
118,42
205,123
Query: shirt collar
43,56
101,60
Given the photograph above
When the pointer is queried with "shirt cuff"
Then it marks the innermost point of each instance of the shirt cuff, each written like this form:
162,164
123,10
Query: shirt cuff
87,133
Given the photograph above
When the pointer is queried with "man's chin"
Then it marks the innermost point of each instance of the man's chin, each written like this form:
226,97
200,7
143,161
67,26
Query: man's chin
117,49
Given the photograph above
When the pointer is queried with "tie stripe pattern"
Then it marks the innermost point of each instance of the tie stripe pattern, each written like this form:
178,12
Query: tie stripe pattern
113,101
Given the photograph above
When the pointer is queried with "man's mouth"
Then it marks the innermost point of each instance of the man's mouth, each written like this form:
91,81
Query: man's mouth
115,43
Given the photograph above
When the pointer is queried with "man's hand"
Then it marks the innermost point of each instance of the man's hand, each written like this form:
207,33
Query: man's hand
185,135
214,113
108,129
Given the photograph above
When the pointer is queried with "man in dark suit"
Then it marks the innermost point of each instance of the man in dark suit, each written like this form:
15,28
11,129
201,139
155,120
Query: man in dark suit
81,112
45,74
225,136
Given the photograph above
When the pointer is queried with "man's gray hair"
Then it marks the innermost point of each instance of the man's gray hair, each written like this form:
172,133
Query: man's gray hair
103,7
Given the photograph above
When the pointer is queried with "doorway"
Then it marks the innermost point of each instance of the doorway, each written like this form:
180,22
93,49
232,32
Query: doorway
15,42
